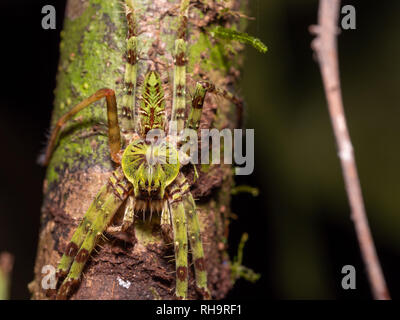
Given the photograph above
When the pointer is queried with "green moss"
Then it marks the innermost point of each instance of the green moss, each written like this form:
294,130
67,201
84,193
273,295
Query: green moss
237,269
231,34
211,56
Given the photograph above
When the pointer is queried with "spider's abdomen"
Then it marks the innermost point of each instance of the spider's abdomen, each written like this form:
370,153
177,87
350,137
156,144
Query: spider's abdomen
150,167
152,104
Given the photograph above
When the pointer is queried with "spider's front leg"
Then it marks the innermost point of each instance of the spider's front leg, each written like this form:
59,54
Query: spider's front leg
128,120
114,136
180,60
95,221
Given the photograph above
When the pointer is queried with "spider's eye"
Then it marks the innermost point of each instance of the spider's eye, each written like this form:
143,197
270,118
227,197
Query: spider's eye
146,183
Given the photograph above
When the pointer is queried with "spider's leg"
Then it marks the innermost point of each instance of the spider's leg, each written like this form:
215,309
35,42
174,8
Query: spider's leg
105,205
179,93
80,234
114,137
202,88
196,244
180,241
128,118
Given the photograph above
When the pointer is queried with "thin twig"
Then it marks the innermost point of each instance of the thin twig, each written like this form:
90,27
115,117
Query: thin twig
325,47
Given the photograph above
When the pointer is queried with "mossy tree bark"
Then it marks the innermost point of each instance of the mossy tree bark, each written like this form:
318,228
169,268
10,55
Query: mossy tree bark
92,57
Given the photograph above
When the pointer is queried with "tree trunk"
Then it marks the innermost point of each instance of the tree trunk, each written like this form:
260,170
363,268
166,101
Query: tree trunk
92,51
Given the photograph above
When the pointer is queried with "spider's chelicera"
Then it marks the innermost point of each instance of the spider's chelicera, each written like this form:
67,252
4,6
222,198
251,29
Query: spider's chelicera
148,174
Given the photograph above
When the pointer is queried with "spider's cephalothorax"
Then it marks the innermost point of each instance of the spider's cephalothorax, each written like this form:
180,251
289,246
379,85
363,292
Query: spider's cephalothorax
148,176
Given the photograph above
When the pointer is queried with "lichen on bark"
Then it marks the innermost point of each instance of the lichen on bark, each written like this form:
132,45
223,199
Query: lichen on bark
92,51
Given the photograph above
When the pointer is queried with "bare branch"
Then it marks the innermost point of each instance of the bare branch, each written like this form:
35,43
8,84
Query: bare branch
325,47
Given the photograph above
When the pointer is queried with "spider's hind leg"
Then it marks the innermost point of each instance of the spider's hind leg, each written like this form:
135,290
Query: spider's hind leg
185,223
179,228
196,245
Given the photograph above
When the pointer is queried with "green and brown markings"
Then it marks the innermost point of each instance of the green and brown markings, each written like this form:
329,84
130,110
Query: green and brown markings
145,176
152,104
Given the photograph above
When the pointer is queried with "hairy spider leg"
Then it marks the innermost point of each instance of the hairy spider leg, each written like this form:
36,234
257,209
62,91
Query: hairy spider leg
105,205
114,137
179,228
80,233
196,246
196,108
128,116
194,234
180,60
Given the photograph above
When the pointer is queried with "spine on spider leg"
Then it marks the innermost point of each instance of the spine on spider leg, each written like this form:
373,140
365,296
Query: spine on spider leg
107,202
179,93
128,103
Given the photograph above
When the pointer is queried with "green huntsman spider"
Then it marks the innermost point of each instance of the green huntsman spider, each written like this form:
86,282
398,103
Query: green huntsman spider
146,183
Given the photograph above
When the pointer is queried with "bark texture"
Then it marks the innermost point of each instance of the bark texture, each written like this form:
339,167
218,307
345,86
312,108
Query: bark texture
92,57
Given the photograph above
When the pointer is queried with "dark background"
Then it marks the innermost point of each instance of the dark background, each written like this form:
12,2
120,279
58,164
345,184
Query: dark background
300,230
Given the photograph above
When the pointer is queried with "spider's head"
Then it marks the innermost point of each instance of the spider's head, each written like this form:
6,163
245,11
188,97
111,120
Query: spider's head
150,168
